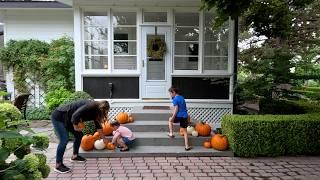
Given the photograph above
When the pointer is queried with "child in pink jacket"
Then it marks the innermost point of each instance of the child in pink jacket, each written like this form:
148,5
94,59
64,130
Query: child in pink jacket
122,136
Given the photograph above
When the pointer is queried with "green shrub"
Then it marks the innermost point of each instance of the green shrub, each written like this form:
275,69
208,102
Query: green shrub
45,171
55,98
9,111
40,141
32,162
273,135
267,106
309,106
78,95
38,113
313,95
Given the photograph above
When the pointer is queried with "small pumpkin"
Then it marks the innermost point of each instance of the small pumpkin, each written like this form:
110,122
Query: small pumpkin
207,144
181,132
190,129
195,133
87,142
122,117
81,125
219,142
96,136
203,129
111,146
107,129
130,119
99,144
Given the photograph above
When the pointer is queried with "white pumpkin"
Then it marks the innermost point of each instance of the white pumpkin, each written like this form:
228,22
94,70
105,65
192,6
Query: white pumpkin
194,133
99,144
190,129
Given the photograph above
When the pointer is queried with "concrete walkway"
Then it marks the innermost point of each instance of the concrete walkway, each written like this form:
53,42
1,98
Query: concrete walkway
182,167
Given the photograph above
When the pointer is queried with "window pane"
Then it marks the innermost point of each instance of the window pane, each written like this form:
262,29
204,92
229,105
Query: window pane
96,47
124,18
216,48
186,34
124,48
186,63
125,33
212,34
187,19
95,33
125,62
96,62
155,16
182,48
215,63
96,18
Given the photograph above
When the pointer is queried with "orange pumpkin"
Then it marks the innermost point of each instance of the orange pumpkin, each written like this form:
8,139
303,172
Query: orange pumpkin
87,142
219,142
203,129
96,136
207,144
106,143
81,125
181,132
110,146
122,117
107,129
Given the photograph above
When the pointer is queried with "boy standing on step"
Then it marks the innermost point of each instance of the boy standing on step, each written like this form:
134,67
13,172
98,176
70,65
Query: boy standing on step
179,115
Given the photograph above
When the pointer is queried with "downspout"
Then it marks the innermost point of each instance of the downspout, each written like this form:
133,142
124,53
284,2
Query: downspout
235,62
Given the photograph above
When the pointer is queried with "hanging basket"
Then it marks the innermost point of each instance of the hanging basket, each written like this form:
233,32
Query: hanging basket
156,48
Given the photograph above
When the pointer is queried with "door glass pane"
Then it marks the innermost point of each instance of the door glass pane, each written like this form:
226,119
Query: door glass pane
155,67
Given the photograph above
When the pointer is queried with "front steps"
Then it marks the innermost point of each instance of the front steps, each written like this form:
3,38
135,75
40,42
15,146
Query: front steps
150,128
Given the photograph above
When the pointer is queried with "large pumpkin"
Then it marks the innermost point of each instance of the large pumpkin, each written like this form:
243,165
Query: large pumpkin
219,142
96,136
203,129
107,129
122,117
87,142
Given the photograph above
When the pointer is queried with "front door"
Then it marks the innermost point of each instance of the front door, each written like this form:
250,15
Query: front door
156,72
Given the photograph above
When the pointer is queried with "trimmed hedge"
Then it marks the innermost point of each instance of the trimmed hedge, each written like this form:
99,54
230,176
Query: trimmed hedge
273,135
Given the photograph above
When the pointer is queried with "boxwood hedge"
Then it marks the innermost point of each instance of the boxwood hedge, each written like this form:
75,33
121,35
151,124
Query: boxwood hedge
273,135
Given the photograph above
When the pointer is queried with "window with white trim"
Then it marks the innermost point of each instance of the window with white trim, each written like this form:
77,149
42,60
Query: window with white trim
186,44
124,40
215,44
96,40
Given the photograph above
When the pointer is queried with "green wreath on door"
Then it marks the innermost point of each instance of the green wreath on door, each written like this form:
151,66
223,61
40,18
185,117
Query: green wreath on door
156,48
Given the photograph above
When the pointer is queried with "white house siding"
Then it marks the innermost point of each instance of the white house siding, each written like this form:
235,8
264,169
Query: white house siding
45,25
38,24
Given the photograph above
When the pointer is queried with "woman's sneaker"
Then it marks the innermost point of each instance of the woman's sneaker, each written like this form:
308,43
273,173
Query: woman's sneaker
62,169
78,159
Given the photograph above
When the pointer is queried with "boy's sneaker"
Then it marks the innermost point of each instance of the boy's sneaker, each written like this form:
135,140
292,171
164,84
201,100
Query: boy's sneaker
78,159
62,169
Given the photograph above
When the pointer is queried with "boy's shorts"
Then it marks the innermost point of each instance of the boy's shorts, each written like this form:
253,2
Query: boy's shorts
183,121
127,141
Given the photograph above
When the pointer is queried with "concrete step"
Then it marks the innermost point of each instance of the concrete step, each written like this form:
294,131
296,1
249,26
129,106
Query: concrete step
150,126
162,139
140,114
152,151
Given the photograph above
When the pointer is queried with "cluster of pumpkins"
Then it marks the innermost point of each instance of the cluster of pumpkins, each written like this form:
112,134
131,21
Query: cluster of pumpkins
90,142
217,141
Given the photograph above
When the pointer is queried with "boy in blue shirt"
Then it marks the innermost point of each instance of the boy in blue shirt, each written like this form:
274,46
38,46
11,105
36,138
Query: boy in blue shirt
180,115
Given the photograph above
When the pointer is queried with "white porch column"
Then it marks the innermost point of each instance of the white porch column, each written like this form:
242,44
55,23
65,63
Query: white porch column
77,48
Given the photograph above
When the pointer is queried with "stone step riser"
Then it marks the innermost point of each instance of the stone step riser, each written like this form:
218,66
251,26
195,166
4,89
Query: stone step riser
148,117
151,128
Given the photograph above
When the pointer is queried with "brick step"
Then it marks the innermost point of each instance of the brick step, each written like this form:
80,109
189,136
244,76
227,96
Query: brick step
162,139
152,151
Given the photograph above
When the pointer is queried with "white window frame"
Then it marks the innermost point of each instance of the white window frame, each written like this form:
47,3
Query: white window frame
83,55
187,72
125,71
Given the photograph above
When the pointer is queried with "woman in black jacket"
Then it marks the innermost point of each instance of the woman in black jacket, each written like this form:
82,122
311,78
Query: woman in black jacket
66,118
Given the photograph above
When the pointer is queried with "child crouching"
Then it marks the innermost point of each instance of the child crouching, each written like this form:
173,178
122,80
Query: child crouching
122,136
